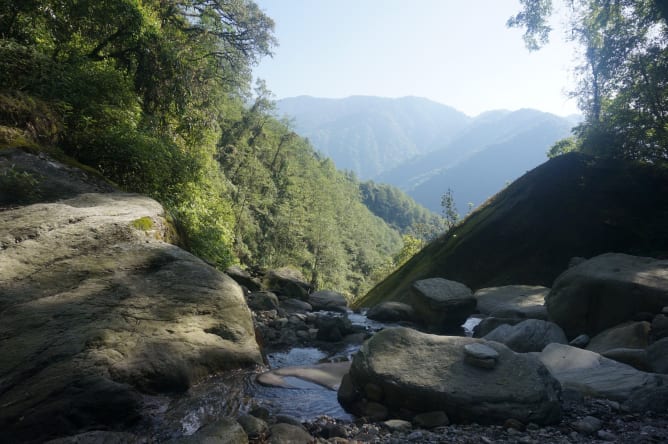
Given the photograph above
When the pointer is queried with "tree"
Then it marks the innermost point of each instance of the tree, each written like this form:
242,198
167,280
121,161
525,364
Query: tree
449,209
622,78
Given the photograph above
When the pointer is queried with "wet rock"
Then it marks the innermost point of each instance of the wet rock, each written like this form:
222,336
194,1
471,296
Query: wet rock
422,372
287,419
328,301
262,300
626,335
223,431
333,328
531,335
374,411
289,434
513,301
607,290
254,427
391,312
430,420
657,356
441,304
580,341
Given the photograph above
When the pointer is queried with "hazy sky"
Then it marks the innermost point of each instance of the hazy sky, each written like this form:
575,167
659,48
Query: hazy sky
457,52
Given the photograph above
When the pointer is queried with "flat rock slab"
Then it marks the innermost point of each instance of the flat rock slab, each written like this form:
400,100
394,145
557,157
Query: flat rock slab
531,335
593,375
441,304
521,301
97,308
328,375
422,372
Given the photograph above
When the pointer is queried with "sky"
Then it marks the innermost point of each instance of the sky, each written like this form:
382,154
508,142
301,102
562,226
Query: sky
456,52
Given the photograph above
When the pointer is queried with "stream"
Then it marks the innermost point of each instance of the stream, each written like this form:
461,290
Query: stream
237,392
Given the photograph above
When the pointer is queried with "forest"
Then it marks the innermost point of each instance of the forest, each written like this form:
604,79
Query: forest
157,96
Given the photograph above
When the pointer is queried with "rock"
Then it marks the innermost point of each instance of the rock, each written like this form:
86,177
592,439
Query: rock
295,306
327,300
289,434
262,300
606,291
480,355
398,425
288,283
635,357
580,341
422,372
513,301
531,335
99,437
373,392
347,393
333,328
243,278
587,425
514,425
442,304
430,420
657,356
328,374
651,399
287,419
486,325
391,312
606,435
97,308
374,411
660,326
223,431
593,375
254,427
626,335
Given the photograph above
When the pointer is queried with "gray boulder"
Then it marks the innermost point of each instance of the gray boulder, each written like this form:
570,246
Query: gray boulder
593,375
391,312
607,290
243,278
223,431
97,308
328,300
635,357
531,335
263,300
660,326
289,434
441,304
513,301
657,356
626,335
287,283
295,305
486,325
422,372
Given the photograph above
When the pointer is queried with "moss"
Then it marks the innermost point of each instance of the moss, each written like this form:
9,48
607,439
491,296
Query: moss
143,223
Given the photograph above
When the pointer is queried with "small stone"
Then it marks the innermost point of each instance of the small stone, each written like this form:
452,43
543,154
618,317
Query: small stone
580,341
480,351
398,425
430,420
254,427
512,423
606,436
587,425
415,436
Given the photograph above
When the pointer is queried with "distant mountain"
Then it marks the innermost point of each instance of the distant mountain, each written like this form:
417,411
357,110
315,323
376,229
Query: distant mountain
370,135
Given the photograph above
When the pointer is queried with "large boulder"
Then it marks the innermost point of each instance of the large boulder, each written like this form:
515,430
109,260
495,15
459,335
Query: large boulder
513,301
420,372
593,375
441,304
607,290
328,300
97,309
657,355
626,335
288,283
531,335
391,312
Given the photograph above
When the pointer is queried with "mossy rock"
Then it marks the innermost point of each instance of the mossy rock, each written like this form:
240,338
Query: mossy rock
143,223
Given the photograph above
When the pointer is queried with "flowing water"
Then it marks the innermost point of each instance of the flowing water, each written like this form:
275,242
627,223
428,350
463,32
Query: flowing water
236,392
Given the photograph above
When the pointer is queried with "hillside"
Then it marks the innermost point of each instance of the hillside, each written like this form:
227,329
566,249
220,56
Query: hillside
570,206
369,135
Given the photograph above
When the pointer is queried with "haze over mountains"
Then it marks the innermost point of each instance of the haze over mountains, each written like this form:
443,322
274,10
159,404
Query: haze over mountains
424,147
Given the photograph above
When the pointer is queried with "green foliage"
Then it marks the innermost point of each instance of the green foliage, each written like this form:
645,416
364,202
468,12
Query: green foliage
563,146
18,186
143,223
449,209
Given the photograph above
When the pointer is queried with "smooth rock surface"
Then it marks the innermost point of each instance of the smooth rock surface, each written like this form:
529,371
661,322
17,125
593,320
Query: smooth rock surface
287,283
626,335
657,356
531,335
328,300
518,301
391,312
607,290
289,434
97,308
441,304
422,372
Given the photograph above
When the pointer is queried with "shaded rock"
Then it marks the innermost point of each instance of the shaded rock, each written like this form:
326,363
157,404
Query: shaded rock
635,357
328,300
660,326
254,427
580,341
243,278
288,283
651,399
398,425
430,420
96,308
606,291
99,437
513,301
295,306
587,425
421,372
223,431
289,434
391,312
593,375
486,325
287,419
262,300
374,411
480,355
333,328
531,335
627,335
441,304
657,356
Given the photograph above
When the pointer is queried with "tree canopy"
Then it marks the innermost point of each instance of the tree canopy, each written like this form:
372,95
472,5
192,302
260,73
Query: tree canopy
623,74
